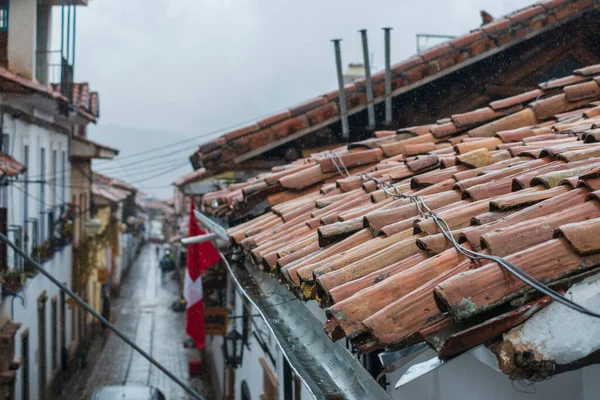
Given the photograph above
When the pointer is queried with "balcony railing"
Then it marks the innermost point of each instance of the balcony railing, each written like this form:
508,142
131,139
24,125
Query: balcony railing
51,66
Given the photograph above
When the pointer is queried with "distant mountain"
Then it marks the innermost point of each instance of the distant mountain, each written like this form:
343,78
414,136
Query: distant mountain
144,170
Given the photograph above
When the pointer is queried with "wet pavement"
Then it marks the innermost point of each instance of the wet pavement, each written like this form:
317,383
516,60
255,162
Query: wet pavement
142,311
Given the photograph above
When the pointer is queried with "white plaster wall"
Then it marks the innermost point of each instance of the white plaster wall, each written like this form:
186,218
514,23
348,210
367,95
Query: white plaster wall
60,267
467,378
251,370
22,37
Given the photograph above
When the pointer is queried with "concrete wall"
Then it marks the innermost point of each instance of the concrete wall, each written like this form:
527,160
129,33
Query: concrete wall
22,37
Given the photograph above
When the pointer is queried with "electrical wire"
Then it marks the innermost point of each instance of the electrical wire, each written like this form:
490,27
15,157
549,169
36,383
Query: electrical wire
99,317
203,135
445,229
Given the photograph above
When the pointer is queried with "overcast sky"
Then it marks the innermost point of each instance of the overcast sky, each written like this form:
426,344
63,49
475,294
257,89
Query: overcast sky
168,70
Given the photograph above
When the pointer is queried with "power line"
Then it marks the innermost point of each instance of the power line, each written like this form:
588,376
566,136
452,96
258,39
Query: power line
99,317
133,167
219,130
161,173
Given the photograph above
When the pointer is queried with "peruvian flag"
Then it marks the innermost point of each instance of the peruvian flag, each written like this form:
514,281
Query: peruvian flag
200,257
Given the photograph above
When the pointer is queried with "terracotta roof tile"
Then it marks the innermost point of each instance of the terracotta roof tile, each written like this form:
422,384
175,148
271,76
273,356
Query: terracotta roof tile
385,271
526,13
9,166
313,113
496,26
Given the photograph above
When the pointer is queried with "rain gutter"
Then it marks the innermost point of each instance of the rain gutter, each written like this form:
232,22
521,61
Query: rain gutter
328,370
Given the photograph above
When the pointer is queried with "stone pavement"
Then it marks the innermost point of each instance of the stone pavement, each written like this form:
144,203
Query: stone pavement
141,312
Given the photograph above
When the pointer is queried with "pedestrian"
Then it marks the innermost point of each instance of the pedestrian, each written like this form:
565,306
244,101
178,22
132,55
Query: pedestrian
106,312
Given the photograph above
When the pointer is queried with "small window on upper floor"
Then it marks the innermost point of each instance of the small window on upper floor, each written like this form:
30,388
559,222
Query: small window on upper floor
3,15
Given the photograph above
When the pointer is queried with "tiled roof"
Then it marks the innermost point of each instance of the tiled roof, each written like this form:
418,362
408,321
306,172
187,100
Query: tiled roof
115,182
11,82
110,193
519,179
85,102
313,113
190,177
96,144
9,166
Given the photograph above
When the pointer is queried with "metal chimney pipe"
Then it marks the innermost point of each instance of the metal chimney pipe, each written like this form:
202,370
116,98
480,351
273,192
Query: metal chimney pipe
388,78
369,81
342,92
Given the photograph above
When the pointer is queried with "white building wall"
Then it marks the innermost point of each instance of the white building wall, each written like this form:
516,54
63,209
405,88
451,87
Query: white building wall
465,378
27,315
36,137
22,37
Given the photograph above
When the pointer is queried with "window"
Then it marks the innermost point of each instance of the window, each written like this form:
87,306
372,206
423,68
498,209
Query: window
26,185
54,166
245,391
75,219
6,149
54,333
4,16
63,178
25,366
81,214
270,382
63,327
246,321
42,194
42,345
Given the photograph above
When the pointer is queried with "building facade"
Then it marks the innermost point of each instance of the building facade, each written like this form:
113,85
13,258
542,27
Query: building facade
42,113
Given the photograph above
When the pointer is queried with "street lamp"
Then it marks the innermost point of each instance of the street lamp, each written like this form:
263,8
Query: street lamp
234,348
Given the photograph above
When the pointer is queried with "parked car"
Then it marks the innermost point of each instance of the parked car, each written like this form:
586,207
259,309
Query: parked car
157,237
128,393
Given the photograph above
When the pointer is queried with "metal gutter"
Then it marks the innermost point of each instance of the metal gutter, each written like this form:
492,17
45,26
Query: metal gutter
328,369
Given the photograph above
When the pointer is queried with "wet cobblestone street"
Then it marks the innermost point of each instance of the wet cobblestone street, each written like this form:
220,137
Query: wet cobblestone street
142,311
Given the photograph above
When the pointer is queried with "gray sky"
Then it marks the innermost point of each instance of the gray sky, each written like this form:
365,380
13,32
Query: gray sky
171,69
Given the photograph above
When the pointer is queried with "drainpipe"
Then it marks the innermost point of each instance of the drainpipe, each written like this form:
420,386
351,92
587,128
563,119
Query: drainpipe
388,78
369,81
342,94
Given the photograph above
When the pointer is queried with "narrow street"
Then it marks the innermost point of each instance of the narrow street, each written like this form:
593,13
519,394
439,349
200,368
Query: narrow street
142,312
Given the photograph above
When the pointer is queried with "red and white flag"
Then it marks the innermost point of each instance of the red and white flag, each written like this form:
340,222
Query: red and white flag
200,257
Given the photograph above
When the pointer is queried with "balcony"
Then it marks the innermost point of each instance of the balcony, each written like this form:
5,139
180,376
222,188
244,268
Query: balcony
51,66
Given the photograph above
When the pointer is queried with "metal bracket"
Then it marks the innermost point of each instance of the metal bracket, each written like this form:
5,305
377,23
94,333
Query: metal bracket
210,224
391,360
418,370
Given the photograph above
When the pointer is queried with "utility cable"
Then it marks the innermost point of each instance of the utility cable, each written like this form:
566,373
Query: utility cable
207,135
103,320
445,229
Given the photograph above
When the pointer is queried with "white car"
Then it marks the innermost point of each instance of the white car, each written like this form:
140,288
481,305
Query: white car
128,393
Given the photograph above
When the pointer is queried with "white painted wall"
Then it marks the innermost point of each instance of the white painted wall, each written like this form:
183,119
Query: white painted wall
60,267
22,45
465,378
36,137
